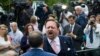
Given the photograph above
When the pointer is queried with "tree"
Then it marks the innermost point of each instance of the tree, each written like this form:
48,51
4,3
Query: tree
5,4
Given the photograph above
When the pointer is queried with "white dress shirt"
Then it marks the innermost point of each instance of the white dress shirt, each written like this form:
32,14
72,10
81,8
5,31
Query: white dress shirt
72,26
57,42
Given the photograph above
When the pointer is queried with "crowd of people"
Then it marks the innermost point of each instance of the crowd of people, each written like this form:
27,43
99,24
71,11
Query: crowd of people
40,31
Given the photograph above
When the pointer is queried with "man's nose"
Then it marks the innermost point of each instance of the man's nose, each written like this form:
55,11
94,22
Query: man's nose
50,28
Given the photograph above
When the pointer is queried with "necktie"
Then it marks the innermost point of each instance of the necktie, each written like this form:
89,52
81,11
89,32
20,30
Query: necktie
91,35
54,47
71,26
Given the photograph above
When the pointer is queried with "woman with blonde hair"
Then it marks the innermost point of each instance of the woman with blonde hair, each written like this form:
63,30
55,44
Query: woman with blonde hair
4,39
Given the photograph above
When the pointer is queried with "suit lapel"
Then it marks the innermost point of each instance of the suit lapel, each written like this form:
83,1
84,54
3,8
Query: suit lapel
47,46
68,28
75,29
63,44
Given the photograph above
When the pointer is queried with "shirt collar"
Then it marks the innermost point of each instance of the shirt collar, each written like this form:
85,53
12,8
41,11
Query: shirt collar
36,48
55,39
72,25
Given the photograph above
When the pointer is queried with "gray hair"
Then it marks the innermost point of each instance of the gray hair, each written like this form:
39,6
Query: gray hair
78,7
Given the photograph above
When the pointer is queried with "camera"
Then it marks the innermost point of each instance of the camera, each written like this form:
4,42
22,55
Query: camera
75,3
83,5
91,23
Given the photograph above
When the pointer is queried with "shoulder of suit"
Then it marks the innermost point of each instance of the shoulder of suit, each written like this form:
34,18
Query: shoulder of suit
78,25
25,54
65,37
49,54
66,26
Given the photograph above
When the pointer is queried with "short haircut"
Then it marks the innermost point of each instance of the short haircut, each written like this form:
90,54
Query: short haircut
72,16
35,39
54,20
13,23
78,7
33,19
93,16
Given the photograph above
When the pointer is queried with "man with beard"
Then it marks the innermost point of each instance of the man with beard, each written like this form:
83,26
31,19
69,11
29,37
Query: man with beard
60,45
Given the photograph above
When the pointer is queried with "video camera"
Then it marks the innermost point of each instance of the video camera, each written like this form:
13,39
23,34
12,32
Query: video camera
75,3
91,23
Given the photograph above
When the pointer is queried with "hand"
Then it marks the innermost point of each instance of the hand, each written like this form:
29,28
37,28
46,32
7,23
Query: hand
11,47
68,34
72,35
6,46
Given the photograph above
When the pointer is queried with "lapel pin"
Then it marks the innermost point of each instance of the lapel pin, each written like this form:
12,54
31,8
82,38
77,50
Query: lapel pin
68,49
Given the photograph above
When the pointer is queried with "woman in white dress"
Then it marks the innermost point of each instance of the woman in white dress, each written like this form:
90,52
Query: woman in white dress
4,39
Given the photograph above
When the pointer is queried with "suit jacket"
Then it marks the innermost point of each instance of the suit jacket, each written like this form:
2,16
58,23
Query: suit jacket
78,32
81,20
24,45
37,52
66,46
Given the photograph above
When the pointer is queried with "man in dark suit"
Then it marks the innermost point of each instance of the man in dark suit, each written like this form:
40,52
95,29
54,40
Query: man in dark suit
75,31
36,43
81,18
60,45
